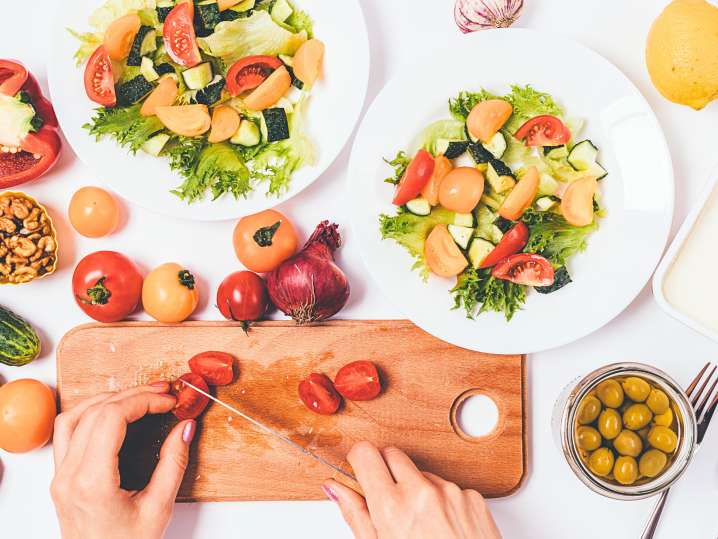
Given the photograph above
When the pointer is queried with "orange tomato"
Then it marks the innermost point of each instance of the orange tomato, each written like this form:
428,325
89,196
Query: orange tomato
120,34
27,415
577,202
461,189
93,212
487,117
521,196
442,255
264,240
442,166
169,293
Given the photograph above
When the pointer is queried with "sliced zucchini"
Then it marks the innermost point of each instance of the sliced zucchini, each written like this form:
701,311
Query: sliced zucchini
247,135
277,124
145,42
295,81
561,278
555,152
583,155
147,69
462,235
154,145
598,171
419,206
286,104
245,5
198,77
479,250
163,9
281,10
206,17
504,225
464,219
499,176
133,90
287,60
546,203
164,69
547,185
497,145
479,153
211,93
450,148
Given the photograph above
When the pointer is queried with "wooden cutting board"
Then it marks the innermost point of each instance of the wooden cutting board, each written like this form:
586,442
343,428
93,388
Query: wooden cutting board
424,381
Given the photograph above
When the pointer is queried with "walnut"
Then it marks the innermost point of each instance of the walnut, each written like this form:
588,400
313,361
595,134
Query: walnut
7,225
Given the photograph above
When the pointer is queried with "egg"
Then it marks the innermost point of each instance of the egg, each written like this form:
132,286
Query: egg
27,415
461,189
94,212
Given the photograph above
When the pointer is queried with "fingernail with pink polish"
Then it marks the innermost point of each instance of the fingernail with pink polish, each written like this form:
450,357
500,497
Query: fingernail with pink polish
329,492
188,431
159,385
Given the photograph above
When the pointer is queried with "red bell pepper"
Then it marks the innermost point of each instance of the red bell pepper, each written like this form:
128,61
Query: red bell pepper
38,149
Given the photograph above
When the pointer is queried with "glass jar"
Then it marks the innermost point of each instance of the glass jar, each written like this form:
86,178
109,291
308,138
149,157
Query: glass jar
564,427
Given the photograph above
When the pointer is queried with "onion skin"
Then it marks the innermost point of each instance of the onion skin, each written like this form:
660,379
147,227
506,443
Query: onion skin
473,15
309,286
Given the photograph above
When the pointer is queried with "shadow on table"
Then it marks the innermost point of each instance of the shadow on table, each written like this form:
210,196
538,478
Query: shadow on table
184,521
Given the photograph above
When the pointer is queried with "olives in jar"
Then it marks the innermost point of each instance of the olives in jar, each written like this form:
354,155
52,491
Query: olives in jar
601,461
589,410
610,393
663,438
609,423
588,438
625,471
637,416
652,463
636,389
628,443
658,402
665,419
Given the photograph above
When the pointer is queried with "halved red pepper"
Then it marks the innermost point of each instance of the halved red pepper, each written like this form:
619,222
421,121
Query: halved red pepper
38,149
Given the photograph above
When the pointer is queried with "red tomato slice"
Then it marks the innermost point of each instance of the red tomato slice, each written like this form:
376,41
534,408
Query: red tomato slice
249,72
358,381
12,77
545,130
417,175
525,268
318,394
214,367
190,403
179,37
511,243
99,81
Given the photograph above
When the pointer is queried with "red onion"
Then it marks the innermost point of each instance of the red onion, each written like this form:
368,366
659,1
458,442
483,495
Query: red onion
472,15
309,286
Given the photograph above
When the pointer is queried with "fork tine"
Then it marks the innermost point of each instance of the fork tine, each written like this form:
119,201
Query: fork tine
702,405
697,379
697,394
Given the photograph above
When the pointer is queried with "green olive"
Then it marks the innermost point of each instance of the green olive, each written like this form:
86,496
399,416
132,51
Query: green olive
658,401
589,410
637,389
652,463
637,416
601,461
626,470
588,438
609,423
663,438
610,393
665,419
628,443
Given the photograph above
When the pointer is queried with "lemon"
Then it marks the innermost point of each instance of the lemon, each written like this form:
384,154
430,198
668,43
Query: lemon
682,52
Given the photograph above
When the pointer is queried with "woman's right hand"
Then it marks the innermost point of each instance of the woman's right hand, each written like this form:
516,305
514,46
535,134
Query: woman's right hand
405,503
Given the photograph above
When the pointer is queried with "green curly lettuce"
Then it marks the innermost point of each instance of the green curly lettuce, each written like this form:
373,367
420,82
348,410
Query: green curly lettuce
554,238
528,103
477,292
441,129
399,164
126,125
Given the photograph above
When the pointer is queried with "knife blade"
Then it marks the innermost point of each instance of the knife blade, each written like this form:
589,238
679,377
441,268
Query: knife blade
273,432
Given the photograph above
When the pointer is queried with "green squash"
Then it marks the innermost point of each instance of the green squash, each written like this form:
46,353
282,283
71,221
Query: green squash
19,342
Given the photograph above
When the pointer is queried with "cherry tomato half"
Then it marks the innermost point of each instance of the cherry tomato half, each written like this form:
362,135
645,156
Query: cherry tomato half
416,176
215,367
525,268
107,286
242,297
358,381
179,36
99,80
318,394
190,403
544,130
512,242
264,240
249,72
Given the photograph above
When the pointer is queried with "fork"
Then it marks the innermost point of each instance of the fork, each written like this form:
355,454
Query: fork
704,414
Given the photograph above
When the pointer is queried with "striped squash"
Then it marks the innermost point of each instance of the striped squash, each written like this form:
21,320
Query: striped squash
19,343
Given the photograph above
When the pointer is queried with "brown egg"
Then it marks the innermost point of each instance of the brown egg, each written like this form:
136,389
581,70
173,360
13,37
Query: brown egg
27,415
461,189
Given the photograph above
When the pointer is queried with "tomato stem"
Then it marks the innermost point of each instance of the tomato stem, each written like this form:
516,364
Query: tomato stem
99,294
186,279
263,236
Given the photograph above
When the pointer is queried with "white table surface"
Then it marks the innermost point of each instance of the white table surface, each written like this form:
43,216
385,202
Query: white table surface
552,503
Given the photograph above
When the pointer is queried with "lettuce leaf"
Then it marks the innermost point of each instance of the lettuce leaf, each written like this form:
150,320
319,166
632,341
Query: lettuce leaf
478,292
399,164
89,41
528,103
554,238
461,105
103,16
300,21
126,125
442,129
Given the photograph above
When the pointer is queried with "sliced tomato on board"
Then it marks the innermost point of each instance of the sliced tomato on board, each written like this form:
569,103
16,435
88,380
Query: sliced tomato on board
215,367
99,81
179,37
511,243
318,394
358,381
249,72
190,403
12,77
416,176
544,130
526,269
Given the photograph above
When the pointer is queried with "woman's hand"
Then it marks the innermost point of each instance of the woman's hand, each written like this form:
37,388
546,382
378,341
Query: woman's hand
86,488
404,503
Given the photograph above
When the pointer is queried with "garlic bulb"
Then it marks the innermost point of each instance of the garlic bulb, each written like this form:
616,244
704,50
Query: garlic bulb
472,15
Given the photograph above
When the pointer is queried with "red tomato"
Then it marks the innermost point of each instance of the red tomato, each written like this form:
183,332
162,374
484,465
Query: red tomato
525,268
12,77
545,130
214,367
358,381
99,81
179,37
190,403
318,394
107,286
511,243
249,72
417,175
242,297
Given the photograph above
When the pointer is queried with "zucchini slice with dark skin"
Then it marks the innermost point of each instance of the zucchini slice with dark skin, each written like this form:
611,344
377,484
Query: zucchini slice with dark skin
133,90
164,8
480,154
206,17
211,93
164,69
295,81
135,57
277,124
504,225
561,279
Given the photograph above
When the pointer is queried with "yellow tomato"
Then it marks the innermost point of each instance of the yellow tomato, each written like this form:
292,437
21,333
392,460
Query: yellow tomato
27,415
94,212
461,189
169,293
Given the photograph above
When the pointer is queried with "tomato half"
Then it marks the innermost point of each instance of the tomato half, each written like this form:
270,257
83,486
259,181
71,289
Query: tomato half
511,243
215,367
525,268
318,394
249,72
416,176
190,403
242,297
358,381
99,81
264,240
545,130
12,77
179,37
107,286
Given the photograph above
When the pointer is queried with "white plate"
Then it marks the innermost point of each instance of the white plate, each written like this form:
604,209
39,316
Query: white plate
332,113
638,192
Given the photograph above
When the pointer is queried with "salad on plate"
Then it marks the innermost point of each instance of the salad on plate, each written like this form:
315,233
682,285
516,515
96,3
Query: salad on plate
500,196
219,87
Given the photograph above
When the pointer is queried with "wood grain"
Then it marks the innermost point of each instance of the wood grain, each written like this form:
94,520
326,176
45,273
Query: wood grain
230,460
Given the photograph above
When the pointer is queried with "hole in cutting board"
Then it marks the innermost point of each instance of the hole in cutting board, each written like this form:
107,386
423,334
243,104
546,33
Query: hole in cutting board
474,415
